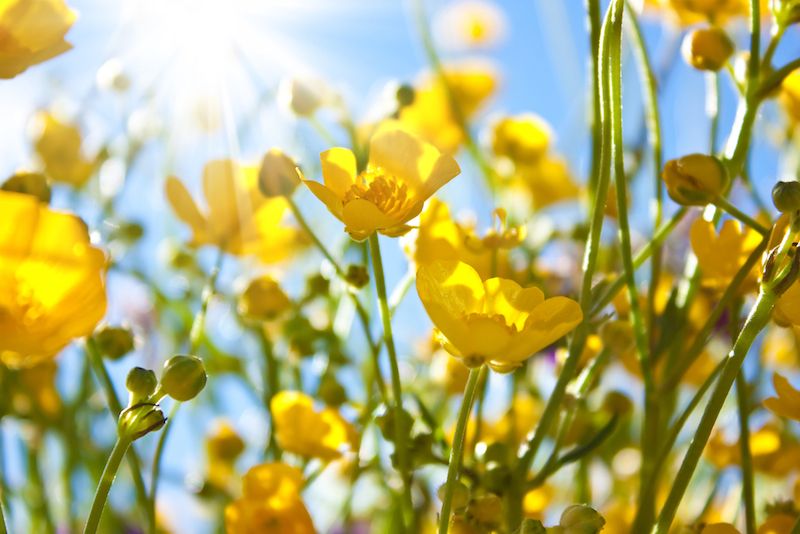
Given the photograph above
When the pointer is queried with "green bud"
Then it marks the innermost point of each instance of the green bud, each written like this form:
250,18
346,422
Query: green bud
405,95
786,196
385,423
317,285
532,526
331,391
184,377
497,478
581,519
357,276
141,383
460,494
114,342
139,420
29,183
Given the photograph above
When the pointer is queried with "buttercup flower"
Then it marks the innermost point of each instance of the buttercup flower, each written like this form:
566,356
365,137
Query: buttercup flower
431,116
694,180
722,255
304,431
32,31
270,502
787,403
223,447
522,139
402,173
59,147
692,11
790,95
549,181
470,24
52,280
496,322
238,219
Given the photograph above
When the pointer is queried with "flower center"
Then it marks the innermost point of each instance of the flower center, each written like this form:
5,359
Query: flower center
382,189
494,317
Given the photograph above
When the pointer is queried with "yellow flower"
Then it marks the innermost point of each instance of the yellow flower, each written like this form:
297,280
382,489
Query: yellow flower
239,220
496,322
223,447
52,281
772,452
790,95
263,299
695,179
32,31
58,145
432,117
31,391
449,373
536,502
470,24
780,347
271,503
721,256
787,403
304,431
402,173
549,182
707,48
692,11
439,237
523,139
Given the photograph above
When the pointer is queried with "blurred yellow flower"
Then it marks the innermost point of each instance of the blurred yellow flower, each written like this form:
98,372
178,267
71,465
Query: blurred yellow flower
402,173
790,95
707,48
302,430
449,372
223,447
470,24
780,523
787,403
263,299
432,117
536,501
524,139
772,452
239,220
549,181
722,255
52,281
32,31
271,502
31,391
58,145
692,11
780,347
496,322
719,528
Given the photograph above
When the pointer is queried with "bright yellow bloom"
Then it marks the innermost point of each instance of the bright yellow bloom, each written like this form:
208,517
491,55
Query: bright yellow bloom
441,238
52,281
271,503
790,95
496,322
432,117
523,139
470,24
59,147
722,255
302,430
549,181
787,403
32,31
402,173
239,220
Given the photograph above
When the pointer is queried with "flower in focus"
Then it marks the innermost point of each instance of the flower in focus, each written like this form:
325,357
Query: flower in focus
694,180
304,431
52,280
402,173
32,31
470,24
523,139
496,322
58,145
722,255
431,115
787,403
270,502
239,220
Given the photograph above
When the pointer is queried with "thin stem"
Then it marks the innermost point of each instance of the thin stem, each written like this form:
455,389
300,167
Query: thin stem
401,439
457,451
748,490
774,41
42,516
271,387
106,480
738,214
755,40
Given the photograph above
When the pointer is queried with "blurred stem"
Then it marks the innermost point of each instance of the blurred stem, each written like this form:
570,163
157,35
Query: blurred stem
271,386
41,513
401,439
754,62
106,480
774,41
362,314
115,407
712,109
722,203
748,490
476,375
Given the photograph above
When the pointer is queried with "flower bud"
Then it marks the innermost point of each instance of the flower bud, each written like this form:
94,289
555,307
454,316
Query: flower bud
141,383
707,48
694,180
330,391
532,526
29,183
139,420
263,299
184,377
302,97
617,403
460,494
581,519
224,444
786,12
114,342
405,96
279,175
357,276
786,196
487,509
617,336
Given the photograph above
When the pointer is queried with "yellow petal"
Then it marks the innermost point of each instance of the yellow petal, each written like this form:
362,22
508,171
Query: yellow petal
361,218
328,197
451,284
548,322
507,298
486,337
184,205
338,169
222,195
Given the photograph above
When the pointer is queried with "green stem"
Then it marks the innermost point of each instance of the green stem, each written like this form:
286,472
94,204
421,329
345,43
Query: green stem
748,490
271,387
712,109
401,439
756,320
754,63
106,480
457,451
738,214
42,515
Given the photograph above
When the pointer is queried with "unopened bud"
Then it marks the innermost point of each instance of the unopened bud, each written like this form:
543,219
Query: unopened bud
302,97
487,509
694,180
617,403
114,342
581,519
139,420
460,494
707,48
141,383
786,196
184,377
278,175
405,95
357,276
29,183
330,391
